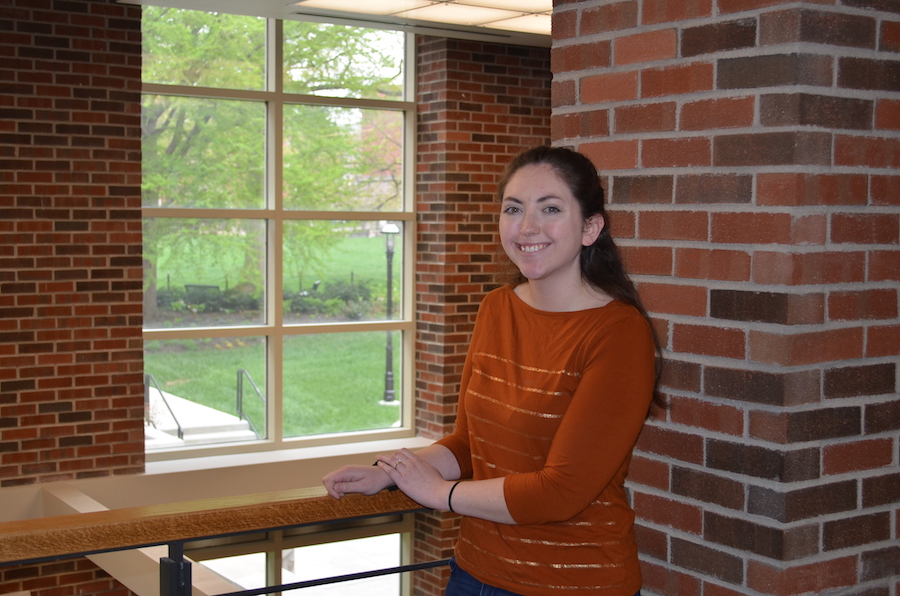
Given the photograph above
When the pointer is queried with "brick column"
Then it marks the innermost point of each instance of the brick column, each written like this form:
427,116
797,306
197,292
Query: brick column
479,105
71,383
751,150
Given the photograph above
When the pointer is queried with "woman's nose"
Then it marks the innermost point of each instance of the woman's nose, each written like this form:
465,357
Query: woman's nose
530,224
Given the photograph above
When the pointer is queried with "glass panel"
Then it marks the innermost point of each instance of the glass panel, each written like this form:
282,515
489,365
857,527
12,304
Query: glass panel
189,47
247,571
343,558
338,61
198,391
206,153
203,272
341,382
342,159
340,271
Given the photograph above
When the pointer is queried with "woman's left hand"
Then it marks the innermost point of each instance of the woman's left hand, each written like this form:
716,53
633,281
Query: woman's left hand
418,479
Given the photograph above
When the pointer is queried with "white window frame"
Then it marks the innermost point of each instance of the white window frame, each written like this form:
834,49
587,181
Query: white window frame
274,331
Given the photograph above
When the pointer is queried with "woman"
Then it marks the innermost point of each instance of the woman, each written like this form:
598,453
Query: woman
557,383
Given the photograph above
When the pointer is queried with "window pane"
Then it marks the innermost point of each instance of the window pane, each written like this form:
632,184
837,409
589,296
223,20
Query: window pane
194,389
203,272
342,158
339,61
343,558
189,47
341,382
206,153
339,271
247,571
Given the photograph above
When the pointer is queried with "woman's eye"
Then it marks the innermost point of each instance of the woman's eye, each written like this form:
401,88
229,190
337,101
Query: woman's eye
552,209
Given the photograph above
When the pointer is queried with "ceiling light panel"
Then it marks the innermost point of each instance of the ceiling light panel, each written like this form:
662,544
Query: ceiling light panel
379,7
519,6
459,14
533,23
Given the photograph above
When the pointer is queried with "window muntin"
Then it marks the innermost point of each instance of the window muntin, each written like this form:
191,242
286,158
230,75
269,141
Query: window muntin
254,194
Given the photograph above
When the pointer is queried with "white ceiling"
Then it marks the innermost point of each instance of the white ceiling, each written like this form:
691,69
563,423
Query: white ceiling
523,22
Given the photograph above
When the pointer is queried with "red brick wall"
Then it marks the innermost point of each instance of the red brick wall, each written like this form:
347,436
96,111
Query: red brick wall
71,392
71,385
479,105
751,151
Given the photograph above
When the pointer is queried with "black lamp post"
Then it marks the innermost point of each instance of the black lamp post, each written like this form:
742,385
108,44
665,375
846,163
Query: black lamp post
390,231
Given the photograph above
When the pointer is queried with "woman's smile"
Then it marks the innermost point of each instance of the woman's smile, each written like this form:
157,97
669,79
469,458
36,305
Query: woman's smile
541,226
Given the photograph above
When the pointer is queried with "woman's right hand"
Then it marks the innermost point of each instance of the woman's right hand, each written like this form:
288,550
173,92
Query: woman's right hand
367,480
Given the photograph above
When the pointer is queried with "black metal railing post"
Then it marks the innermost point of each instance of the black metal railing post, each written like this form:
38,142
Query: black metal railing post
175,572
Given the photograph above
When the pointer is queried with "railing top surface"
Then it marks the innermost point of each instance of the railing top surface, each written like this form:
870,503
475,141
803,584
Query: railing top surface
114,529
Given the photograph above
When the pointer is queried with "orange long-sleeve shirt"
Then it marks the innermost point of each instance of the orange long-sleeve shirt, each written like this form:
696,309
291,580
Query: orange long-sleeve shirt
554,402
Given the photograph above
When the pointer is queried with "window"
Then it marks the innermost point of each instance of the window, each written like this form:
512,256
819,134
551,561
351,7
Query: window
277,216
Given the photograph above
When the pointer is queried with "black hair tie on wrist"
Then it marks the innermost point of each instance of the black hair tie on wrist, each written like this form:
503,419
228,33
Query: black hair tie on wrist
450,496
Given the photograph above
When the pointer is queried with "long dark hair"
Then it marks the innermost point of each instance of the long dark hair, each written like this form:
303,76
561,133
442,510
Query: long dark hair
601,262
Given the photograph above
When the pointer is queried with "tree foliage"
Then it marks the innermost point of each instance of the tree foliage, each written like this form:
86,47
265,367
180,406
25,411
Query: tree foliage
210,153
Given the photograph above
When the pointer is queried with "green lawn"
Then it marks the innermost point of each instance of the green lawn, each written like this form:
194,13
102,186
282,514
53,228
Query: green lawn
332,382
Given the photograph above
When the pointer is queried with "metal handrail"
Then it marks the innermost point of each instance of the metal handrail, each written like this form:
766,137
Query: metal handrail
241,373
148,378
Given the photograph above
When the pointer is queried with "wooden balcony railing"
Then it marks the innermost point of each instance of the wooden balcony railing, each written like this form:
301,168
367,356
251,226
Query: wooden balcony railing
61,536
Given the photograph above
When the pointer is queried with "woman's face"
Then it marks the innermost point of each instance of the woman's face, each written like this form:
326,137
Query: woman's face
541,227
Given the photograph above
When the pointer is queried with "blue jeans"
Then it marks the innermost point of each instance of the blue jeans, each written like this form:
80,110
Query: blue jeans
463,584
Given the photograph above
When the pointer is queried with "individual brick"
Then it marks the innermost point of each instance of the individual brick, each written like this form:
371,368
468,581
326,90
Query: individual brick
707,561
767,307
883,417
763,462
614,16
652,117
863,305
693,77
880,563
642,189
880,490
706,487
856,456
865,228
805,109
772,148
718,37
869,74
669,12
885,190
811,189
714,188
873,152
805,426
775,70
803,503
670,443
818,577
818,27
725,112
753,537
726,419
887,114
854,381
718,264
770,388
649,46
676,152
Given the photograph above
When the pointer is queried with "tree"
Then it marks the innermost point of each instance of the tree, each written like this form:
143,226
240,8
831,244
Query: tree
201,152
